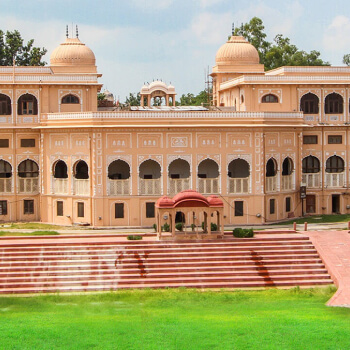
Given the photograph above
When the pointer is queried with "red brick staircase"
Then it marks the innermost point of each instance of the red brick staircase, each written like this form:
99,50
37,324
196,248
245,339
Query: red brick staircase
96,266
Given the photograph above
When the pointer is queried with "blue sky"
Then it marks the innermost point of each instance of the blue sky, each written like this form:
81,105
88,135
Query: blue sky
136,41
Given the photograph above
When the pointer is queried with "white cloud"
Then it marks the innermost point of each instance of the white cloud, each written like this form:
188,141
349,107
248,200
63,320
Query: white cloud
336,37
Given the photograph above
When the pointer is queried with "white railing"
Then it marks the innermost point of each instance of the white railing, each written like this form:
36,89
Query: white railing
271,184
150,186
5,185
287,182
81,187
178,185
140,115
238,185
311,180
208,186
334,180
60,186
28,185
119,187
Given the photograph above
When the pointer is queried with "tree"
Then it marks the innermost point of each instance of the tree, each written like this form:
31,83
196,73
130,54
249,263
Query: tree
133,100
12,48
192,100
346,59
280,52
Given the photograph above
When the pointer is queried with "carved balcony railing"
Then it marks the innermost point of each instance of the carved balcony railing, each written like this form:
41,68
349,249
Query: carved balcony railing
312,180
208,186
60,186
28,185
178,185
6,185
150,186
238,185
335,180
271,184
81,187
287,182
119,187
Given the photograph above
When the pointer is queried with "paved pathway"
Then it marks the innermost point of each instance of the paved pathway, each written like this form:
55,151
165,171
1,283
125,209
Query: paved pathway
334,248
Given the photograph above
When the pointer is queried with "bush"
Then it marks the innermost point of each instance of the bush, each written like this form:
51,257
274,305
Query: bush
155,227
213,227
179,226
134,237
166,227
243,232
193,227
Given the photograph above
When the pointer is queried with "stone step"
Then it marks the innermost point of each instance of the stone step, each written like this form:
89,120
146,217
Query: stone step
156,259
144,280
213,285
91,275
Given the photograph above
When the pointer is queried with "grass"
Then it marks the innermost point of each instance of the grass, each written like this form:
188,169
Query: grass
34,233
176,319
317,219
31,226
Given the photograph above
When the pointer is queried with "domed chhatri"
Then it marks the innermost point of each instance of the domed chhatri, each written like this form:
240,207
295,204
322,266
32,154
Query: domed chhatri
72,52
237,50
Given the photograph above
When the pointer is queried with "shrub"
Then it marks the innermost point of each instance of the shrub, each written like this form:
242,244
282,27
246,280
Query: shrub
166,227
155,227
243,232
213,227
134,237
193,226
179,226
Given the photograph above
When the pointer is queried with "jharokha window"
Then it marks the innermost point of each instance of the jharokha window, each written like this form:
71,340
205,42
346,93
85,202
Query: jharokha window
269,99
333,104
5,105
27,105
70,99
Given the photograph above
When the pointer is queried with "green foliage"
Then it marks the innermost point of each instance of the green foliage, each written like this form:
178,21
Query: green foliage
346,59
213,226
243,232
193,227
154,227
280,52
12,47
133,100
34,233
179,226
101,96
318,219
166,227
192,100
134,237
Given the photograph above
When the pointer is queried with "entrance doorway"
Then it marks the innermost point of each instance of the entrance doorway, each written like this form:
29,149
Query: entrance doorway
335,203
310,204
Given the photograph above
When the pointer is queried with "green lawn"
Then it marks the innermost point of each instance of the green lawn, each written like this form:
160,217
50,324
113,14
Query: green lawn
176,319
317,219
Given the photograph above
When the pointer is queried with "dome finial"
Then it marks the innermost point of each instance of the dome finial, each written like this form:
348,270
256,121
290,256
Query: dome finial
76,31
67,31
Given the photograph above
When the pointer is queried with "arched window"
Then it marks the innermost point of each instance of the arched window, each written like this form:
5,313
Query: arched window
271,168
179,169
118,170
309,104
311,165
5,169
5,105
270,98
81,170
208,168
149,169
28,168
27,105
60,170
287,167
333,104
70,99
334,164
238,169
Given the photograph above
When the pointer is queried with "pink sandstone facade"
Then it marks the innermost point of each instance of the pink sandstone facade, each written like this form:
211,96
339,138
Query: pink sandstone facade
268,133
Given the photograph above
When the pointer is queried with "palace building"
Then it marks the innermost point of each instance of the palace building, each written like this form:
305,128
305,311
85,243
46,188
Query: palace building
267,134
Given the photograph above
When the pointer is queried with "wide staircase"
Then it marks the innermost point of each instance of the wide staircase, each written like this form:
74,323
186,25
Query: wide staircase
57,265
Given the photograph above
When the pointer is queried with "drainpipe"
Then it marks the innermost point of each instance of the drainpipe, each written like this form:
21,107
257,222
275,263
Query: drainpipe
264,179
91,177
